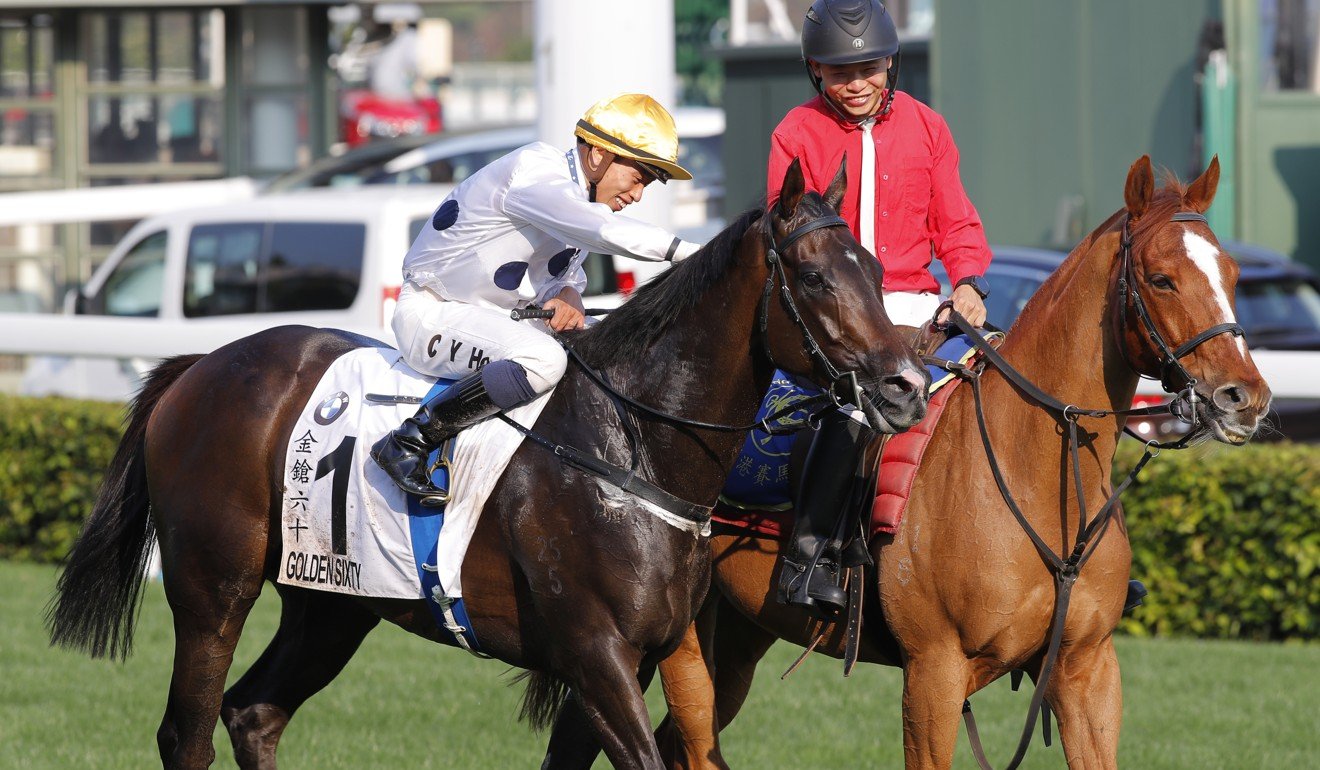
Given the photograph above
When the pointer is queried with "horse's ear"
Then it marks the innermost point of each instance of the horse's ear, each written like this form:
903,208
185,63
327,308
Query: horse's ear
1140,187
834,193
790,193
1201,193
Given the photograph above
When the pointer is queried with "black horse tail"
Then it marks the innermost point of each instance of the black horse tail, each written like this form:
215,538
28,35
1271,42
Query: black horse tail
543,700
97,594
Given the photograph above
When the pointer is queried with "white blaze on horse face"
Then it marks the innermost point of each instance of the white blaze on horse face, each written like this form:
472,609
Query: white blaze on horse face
850,254
1205,255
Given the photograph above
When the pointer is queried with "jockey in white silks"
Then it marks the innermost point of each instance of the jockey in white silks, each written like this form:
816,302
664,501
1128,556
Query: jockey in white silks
513,234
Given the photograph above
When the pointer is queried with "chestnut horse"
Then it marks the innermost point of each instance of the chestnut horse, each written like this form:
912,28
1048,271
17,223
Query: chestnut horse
962,594
574,580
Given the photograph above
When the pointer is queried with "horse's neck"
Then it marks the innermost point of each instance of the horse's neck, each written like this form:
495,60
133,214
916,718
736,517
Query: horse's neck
1062,342
701,369
1063,345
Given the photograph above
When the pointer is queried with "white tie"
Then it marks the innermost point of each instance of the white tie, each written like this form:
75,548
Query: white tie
867,226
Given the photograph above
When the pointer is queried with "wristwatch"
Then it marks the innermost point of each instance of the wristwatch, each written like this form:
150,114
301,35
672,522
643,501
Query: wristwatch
978,283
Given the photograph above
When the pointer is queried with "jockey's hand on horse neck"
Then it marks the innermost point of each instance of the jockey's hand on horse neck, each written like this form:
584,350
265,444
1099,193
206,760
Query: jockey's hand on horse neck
568,310
968,304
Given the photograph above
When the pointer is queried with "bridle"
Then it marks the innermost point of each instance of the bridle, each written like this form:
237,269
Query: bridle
844,389
1170,363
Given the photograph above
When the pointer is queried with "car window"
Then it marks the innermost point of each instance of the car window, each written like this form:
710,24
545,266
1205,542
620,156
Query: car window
1008,295
601,277
134,286
415,228
1267,308
449,169
313,266
259,267
220,274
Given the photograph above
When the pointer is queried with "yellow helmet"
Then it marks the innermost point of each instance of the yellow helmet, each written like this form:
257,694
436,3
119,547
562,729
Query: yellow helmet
635,126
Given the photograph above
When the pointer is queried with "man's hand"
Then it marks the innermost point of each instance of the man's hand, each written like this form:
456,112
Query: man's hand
568,310
968,304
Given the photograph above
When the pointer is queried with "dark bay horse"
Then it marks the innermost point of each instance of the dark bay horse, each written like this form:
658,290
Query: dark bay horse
567,577
962,596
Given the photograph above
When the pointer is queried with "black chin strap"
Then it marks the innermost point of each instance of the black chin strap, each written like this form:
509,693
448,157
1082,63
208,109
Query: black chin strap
891,84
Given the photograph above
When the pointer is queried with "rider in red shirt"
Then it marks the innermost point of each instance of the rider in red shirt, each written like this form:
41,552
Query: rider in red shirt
905,203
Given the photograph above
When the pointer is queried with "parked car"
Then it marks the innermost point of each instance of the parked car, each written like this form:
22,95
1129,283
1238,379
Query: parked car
1277,302
697,205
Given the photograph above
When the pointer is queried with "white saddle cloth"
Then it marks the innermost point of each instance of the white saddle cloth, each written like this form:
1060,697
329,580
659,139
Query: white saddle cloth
344,522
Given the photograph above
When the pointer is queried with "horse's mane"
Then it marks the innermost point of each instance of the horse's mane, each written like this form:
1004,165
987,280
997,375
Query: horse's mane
639,321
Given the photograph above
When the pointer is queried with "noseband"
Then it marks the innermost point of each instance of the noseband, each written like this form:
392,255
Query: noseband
1169,358
844,389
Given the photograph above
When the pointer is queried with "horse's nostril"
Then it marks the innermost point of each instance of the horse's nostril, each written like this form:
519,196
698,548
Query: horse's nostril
1231,398
905,383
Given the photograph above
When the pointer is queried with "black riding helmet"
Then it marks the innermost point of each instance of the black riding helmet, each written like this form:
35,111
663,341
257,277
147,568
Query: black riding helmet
847,32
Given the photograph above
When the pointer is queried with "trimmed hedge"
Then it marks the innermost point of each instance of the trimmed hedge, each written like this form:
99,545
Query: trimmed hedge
53,452
1226,539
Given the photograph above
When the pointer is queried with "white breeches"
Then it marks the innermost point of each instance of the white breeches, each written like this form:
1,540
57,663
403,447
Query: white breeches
453,339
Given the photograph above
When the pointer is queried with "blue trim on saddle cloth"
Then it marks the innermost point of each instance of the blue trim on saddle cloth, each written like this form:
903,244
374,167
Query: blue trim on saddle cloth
424,529
759,479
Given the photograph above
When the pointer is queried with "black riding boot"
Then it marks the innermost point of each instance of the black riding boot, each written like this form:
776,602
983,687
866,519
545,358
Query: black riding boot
810,573
403,453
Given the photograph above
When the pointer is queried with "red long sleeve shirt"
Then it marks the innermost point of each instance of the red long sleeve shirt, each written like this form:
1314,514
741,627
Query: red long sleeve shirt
921,207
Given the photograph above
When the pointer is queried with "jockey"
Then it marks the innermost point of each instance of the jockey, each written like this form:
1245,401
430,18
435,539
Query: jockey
909,205
513,234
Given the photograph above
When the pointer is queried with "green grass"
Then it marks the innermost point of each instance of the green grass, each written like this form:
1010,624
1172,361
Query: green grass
404,702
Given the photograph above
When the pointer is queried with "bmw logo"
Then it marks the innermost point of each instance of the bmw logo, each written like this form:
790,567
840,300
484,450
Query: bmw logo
329,410
857,43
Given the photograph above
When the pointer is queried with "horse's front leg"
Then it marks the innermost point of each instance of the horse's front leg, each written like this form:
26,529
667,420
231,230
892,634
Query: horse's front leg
934,688
1086,694
604,677
573,744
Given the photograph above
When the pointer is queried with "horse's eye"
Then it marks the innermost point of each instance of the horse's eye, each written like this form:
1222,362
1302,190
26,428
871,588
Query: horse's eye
812,280
1161,281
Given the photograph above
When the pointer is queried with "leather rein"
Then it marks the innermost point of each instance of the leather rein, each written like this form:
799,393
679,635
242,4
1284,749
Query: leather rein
628,479
1065,570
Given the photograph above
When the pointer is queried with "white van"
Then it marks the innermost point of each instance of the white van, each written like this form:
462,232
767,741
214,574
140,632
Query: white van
321,258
